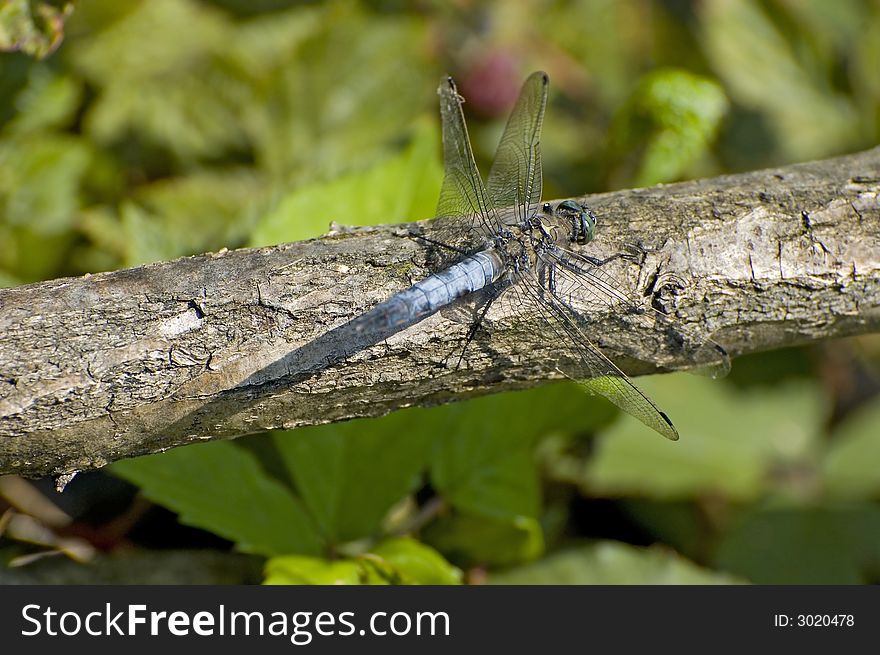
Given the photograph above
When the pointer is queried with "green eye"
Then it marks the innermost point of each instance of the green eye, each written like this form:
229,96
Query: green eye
580,218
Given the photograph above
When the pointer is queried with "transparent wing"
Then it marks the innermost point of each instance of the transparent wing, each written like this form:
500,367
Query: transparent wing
577,353
465,214
515,177
579,280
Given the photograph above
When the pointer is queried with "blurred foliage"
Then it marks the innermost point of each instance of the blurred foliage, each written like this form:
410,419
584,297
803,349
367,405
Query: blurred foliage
667,124
35,28
163,128
393,561
362,197
611,562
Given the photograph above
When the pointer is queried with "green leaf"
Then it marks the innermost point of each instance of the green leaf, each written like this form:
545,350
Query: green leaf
481,540
673,117
416,563
175,95
394,561
32,256
49,101
850,469
610,562
105,230
186,30
350,474
145,240
265,43
764,71
342,95
484,462
298,570
220,487
813,545
730,441
196,213
486,474
36,28
403,187
40,180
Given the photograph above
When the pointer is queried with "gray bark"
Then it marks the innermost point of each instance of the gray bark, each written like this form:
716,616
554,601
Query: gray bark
118,364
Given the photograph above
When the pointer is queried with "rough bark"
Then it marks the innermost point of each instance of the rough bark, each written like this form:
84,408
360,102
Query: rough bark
108,366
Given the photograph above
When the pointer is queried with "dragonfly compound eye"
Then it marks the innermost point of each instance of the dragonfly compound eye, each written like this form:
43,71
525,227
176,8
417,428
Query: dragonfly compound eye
587,224
581,220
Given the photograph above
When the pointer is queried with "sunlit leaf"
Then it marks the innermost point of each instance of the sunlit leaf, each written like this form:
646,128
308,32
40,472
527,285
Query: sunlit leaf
299,569
176,217
7,280
40,177
267,42
401,188
671,119
343,97
30,255
393,561
169,90
416,563
730,441
32,27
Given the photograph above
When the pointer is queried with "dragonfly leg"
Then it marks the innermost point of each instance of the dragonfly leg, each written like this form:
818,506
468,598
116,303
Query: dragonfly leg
631,252
487,297
546,277
438,244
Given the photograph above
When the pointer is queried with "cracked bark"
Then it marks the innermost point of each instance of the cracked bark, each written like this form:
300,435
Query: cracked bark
118,364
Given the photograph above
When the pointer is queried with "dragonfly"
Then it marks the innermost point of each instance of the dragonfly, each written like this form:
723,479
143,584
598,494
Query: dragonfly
509,249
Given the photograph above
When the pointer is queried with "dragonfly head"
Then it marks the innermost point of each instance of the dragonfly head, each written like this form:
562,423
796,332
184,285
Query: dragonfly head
580,219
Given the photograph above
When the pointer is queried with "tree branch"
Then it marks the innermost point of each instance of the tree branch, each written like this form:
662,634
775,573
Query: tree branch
108,366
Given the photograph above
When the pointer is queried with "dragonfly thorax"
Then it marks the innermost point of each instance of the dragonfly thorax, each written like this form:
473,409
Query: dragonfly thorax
510,244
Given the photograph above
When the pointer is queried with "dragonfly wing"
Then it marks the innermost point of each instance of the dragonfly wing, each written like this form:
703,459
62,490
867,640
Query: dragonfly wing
515,177
465,216
579,280
576,353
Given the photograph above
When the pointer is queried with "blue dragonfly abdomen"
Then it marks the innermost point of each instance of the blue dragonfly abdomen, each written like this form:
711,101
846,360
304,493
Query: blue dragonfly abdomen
433,293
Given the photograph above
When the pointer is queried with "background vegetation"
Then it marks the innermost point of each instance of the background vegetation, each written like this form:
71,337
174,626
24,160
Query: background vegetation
163,128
